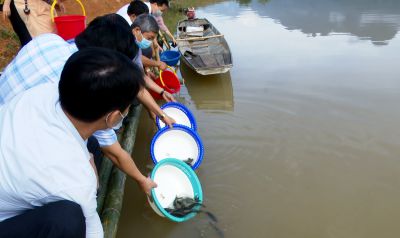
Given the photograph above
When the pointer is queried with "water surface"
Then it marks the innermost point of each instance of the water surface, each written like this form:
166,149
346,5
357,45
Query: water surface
302,136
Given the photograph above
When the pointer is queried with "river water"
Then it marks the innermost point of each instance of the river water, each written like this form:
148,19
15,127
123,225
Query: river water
302,136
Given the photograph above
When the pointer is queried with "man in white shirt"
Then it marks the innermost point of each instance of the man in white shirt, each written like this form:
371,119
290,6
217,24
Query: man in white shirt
130,11
43,58
44,161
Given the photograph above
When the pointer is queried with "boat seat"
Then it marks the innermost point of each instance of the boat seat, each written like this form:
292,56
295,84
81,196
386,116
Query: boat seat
210,60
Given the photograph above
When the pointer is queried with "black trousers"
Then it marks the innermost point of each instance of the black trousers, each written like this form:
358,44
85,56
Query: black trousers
61,219
19,26
94,148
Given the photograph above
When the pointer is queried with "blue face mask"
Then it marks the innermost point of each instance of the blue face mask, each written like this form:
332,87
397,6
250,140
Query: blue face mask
144,43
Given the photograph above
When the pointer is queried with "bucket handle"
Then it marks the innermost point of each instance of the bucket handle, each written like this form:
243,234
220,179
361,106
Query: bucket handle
54,4
160,73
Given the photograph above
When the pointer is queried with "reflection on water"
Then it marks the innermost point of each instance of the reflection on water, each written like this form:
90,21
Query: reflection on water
310,146
212,92
375,20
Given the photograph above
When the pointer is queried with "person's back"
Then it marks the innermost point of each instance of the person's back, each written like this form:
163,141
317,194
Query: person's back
39,144
43,155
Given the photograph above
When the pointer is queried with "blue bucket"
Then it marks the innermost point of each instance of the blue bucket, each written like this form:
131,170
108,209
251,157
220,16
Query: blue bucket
180,113
179,142
174,178
170,57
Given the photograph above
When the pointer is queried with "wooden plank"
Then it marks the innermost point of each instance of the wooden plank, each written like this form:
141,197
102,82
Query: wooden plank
104,177
199,38
209,60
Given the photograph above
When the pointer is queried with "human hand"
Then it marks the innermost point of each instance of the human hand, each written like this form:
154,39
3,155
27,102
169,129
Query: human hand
6,11
62,7
151,75
162,66
174,44
168,97
147,184
168,120
152,115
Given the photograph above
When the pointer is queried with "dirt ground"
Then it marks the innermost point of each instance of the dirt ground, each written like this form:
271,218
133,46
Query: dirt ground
9,43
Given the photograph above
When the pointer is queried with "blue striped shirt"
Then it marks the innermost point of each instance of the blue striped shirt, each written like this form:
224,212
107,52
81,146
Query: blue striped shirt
41,61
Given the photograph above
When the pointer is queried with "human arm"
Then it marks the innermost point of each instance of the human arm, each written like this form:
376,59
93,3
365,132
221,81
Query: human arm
112,149
125,162
150,84
163,27
171,37
6,9
152,63
156,46
148,101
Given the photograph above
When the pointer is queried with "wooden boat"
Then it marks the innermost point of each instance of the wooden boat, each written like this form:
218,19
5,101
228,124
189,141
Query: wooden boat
203,47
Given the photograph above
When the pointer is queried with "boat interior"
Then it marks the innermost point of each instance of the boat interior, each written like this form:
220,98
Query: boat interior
204,46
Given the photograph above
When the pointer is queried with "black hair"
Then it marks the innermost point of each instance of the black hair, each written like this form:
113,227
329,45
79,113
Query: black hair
160,2
146,23
96,81
109,31
137,7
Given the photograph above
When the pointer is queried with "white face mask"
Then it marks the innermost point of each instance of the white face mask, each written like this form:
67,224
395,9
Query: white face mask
119,124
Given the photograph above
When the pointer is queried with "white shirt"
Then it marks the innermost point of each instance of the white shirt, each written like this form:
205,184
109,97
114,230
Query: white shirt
41,61
123,12
43,158
148,5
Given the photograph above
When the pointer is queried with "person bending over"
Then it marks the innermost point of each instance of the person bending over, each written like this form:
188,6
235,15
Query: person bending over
48,186
145,30
43,58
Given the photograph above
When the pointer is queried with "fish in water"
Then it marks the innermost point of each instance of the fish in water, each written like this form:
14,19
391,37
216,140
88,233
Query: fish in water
189,161
183,206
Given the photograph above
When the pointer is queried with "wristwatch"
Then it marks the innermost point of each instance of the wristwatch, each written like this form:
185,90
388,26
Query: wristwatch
162,92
